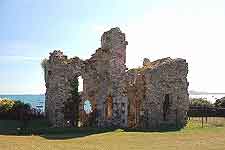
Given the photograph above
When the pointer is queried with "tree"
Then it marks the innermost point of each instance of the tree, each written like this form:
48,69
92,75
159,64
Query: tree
21,109
6,105
11,109
44,64
200,102
220,103
71,106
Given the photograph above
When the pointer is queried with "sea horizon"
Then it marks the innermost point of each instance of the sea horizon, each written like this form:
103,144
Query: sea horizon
38,100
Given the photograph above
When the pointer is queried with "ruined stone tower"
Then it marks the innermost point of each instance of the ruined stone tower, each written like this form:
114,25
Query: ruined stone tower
115,42
145,97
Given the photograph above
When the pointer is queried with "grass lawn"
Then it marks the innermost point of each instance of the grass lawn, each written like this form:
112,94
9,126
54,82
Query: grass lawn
192,137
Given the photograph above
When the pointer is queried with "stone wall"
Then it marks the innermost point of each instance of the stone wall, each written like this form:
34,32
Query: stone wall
103,75
60,72
119,97
148,88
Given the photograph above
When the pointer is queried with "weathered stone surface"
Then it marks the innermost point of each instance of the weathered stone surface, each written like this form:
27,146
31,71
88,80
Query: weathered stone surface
146,97
146,62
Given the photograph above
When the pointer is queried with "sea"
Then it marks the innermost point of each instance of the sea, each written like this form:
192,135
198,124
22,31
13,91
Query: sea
38,101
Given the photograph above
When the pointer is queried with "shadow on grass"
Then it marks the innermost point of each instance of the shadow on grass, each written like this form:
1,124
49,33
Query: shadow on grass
55,133
60,134
63,133
41,128
69,133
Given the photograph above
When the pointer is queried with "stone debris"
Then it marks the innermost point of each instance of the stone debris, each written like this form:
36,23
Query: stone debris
147,97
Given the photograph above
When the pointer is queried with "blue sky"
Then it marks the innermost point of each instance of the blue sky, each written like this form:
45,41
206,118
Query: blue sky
191,29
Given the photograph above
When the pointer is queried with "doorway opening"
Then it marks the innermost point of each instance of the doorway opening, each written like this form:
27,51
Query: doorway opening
166,105
109,107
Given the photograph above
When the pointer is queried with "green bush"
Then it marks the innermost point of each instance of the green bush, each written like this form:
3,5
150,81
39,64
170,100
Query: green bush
12,109
6,105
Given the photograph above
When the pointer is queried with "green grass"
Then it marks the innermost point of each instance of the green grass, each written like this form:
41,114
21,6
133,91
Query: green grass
196,122
192,137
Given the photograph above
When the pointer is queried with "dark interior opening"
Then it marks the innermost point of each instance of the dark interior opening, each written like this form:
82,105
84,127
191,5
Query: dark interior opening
49,73
166,106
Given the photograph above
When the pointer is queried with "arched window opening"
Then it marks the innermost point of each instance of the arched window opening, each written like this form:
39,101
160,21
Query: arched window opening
166,105
87,107
80,87
109,107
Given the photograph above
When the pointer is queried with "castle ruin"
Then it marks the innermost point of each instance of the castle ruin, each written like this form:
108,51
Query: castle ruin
155,94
